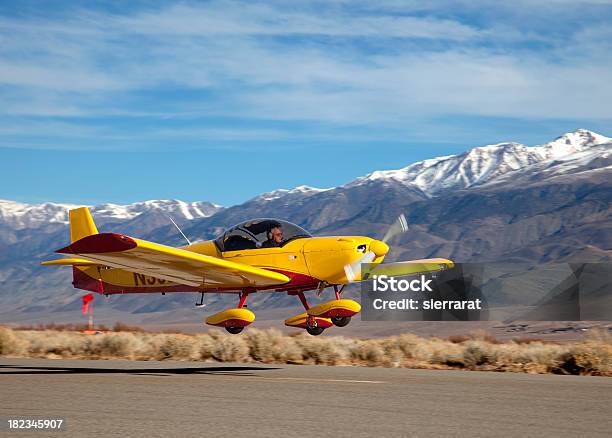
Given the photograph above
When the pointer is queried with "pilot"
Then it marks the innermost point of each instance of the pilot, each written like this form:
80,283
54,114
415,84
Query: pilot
275,237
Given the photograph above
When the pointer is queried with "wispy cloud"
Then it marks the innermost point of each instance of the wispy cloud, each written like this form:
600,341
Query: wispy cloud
249,18
337,64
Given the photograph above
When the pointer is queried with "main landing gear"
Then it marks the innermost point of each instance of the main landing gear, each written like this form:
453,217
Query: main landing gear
340,321
316,319
339,311
312,324
314,331
233,320
234,330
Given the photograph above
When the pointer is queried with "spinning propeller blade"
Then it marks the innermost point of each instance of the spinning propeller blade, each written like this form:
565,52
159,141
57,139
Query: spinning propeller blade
353,270
377,248
398,227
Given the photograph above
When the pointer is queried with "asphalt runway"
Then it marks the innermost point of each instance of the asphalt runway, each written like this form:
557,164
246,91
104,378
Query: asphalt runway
161,399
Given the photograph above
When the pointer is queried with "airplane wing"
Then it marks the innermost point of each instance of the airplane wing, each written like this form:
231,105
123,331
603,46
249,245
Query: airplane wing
411,267
172,264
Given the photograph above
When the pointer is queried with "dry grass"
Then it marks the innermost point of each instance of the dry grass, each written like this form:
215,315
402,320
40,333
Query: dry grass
61,327
593,356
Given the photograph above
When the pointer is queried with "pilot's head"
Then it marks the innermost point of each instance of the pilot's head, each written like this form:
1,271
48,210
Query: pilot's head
276,234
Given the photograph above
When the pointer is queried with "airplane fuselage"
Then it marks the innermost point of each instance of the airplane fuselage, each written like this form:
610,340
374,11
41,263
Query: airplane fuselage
307,261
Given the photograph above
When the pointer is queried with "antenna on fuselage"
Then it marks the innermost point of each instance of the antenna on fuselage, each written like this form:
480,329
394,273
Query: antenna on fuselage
179,230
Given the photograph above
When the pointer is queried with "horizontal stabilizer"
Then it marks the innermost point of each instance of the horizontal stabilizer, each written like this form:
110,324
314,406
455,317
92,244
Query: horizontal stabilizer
69,262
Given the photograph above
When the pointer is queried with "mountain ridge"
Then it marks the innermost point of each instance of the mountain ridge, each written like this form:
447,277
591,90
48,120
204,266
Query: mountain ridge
477,166
557,208
481,164
23,215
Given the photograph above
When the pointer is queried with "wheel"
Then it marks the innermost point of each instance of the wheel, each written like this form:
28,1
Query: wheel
341,321
234,330
314,331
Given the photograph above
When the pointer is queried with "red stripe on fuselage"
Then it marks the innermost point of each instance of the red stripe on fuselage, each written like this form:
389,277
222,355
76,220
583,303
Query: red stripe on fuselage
83,281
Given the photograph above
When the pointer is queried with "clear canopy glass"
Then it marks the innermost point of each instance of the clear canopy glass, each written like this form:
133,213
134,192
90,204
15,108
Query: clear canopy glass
260,233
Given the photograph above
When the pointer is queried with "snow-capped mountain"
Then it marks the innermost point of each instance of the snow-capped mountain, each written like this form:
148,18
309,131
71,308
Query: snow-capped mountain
484,164
597,159
577,141
505,202
181,209
19,215
302,191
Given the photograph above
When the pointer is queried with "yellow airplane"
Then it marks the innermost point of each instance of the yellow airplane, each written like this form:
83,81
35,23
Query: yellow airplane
260,255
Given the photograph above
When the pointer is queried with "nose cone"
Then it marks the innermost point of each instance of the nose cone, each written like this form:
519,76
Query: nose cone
379,248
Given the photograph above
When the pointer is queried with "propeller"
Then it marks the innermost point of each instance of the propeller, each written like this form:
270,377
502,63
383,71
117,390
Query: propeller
398,227
377,248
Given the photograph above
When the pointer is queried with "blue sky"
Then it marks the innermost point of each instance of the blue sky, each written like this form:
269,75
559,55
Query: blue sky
222,100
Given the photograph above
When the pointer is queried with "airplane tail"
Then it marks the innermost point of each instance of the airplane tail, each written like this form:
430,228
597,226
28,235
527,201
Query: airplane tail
85,273
81,224
84,276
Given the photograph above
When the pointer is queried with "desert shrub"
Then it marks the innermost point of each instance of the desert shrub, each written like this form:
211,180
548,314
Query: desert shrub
534,352
9,343
527,340
442,352
121,327
478,353
115,344
272,346
371,353
590,356
482,335
49,343
204,347
229,348
319,350
177,347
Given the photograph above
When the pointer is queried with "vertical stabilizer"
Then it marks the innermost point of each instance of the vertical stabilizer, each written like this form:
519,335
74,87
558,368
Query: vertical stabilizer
81,224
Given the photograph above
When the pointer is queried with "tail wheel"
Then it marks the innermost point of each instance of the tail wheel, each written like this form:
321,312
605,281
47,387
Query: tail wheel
341,321
314,331
234,330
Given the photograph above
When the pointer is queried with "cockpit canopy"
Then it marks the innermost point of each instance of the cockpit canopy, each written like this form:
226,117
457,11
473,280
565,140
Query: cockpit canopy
259,233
